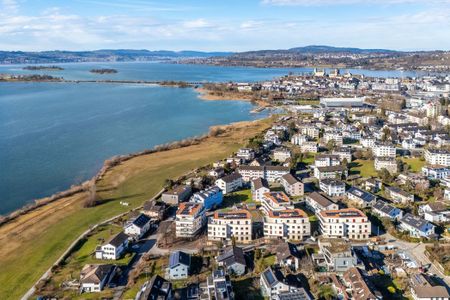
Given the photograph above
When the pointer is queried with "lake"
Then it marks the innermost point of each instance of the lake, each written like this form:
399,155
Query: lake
53,135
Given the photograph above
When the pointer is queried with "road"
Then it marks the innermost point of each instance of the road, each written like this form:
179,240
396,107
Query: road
417,252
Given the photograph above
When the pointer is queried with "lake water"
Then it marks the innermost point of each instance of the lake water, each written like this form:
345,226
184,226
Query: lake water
53,135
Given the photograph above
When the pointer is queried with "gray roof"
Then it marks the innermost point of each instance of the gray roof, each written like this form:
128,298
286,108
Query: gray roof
363,195
414,221
290,179
259,183
231,177
300,294
231,256
321,199
118,239
179,257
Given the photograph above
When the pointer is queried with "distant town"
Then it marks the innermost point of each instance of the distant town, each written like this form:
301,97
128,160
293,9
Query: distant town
346,195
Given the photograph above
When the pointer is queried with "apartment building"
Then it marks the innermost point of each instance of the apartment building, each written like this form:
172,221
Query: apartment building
332,187
190,219
259,187
287,224
270,173
292,186
230,183
437,157
388,163
384,150
275,201
327,160
224,225
344,223
209,197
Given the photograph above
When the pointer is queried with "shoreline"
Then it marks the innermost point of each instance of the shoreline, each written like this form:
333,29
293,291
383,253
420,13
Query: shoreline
208,95
32,242
107,165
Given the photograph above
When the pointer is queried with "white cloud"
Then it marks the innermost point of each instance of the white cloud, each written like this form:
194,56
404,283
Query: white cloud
9,6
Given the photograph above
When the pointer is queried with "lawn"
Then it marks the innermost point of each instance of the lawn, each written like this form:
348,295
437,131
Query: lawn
309,158
30,244
415,164
365,168
238,197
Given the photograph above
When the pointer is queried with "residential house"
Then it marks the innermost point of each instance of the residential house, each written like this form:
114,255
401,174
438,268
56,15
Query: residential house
287,224
343,153
332,187
416,226
210,197
113,248
246,154
360,287
233,260
259,187
177,194
368,142
217,286
436,172
337,254
435,212
230,183
298,294
93,278
155,209
138,227
156,288
292,186
344,223
386,210
334,136
273,283
217,172
179,265
226,225
310,131
298,139
281,154
189,219
289,255
270,173
398,195
318,202
388,163
426,287
361,197
373,185
334,172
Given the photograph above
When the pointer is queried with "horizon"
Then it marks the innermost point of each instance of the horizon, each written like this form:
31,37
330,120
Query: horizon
89,25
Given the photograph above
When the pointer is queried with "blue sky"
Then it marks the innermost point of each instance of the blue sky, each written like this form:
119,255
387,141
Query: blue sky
35,25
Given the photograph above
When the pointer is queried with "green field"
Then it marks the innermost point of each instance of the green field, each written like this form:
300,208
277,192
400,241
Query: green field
33,242
365,168
415,164
238,197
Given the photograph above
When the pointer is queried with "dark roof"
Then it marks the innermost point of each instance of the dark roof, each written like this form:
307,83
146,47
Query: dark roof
338,168
118,239
437,206
363,195
231,177
259,183
397,190
384,207
286,250
179,257
232,256
157,288
272,277
95,273
179,189
141,220
414,221
334,182
299,294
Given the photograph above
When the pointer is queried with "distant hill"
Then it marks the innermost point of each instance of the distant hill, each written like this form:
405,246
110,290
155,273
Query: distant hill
329,49
105,55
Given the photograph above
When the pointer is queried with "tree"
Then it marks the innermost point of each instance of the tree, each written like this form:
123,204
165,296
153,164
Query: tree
326,291
331,144
168,183
91,199
438,193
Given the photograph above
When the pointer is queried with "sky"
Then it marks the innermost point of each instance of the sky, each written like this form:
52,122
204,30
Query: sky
231,25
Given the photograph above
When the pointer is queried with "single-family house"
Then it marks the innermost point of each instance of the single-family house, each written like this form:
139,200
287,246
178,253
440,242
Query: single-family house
138,227
360,197
416,226
93,278
179,264
114,248
386,210
233,260
398,195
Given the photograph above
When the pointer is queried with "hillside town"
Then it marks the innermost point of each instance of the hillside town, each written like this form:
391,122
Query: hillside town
346,196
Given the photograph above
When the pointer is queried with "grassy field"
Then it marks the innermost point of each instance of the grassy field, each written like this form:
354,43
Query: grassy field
415,164
30,244
365,168
239,197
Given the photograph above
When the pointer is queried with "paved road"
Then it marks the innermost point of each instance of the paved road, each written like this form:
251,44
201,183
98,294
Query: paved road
417,252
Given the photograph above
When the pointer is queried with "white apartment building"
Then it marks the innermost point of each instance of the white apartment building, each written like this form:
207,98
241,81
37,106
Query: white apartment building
333,136
327,160
388,163
230,183
275,201
292,186
287,224
437,157
246,154
224,225
344,223
368,142
310,147
383,150
299,139
259,187
281,154
332,187
270,173
189,220
309,130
